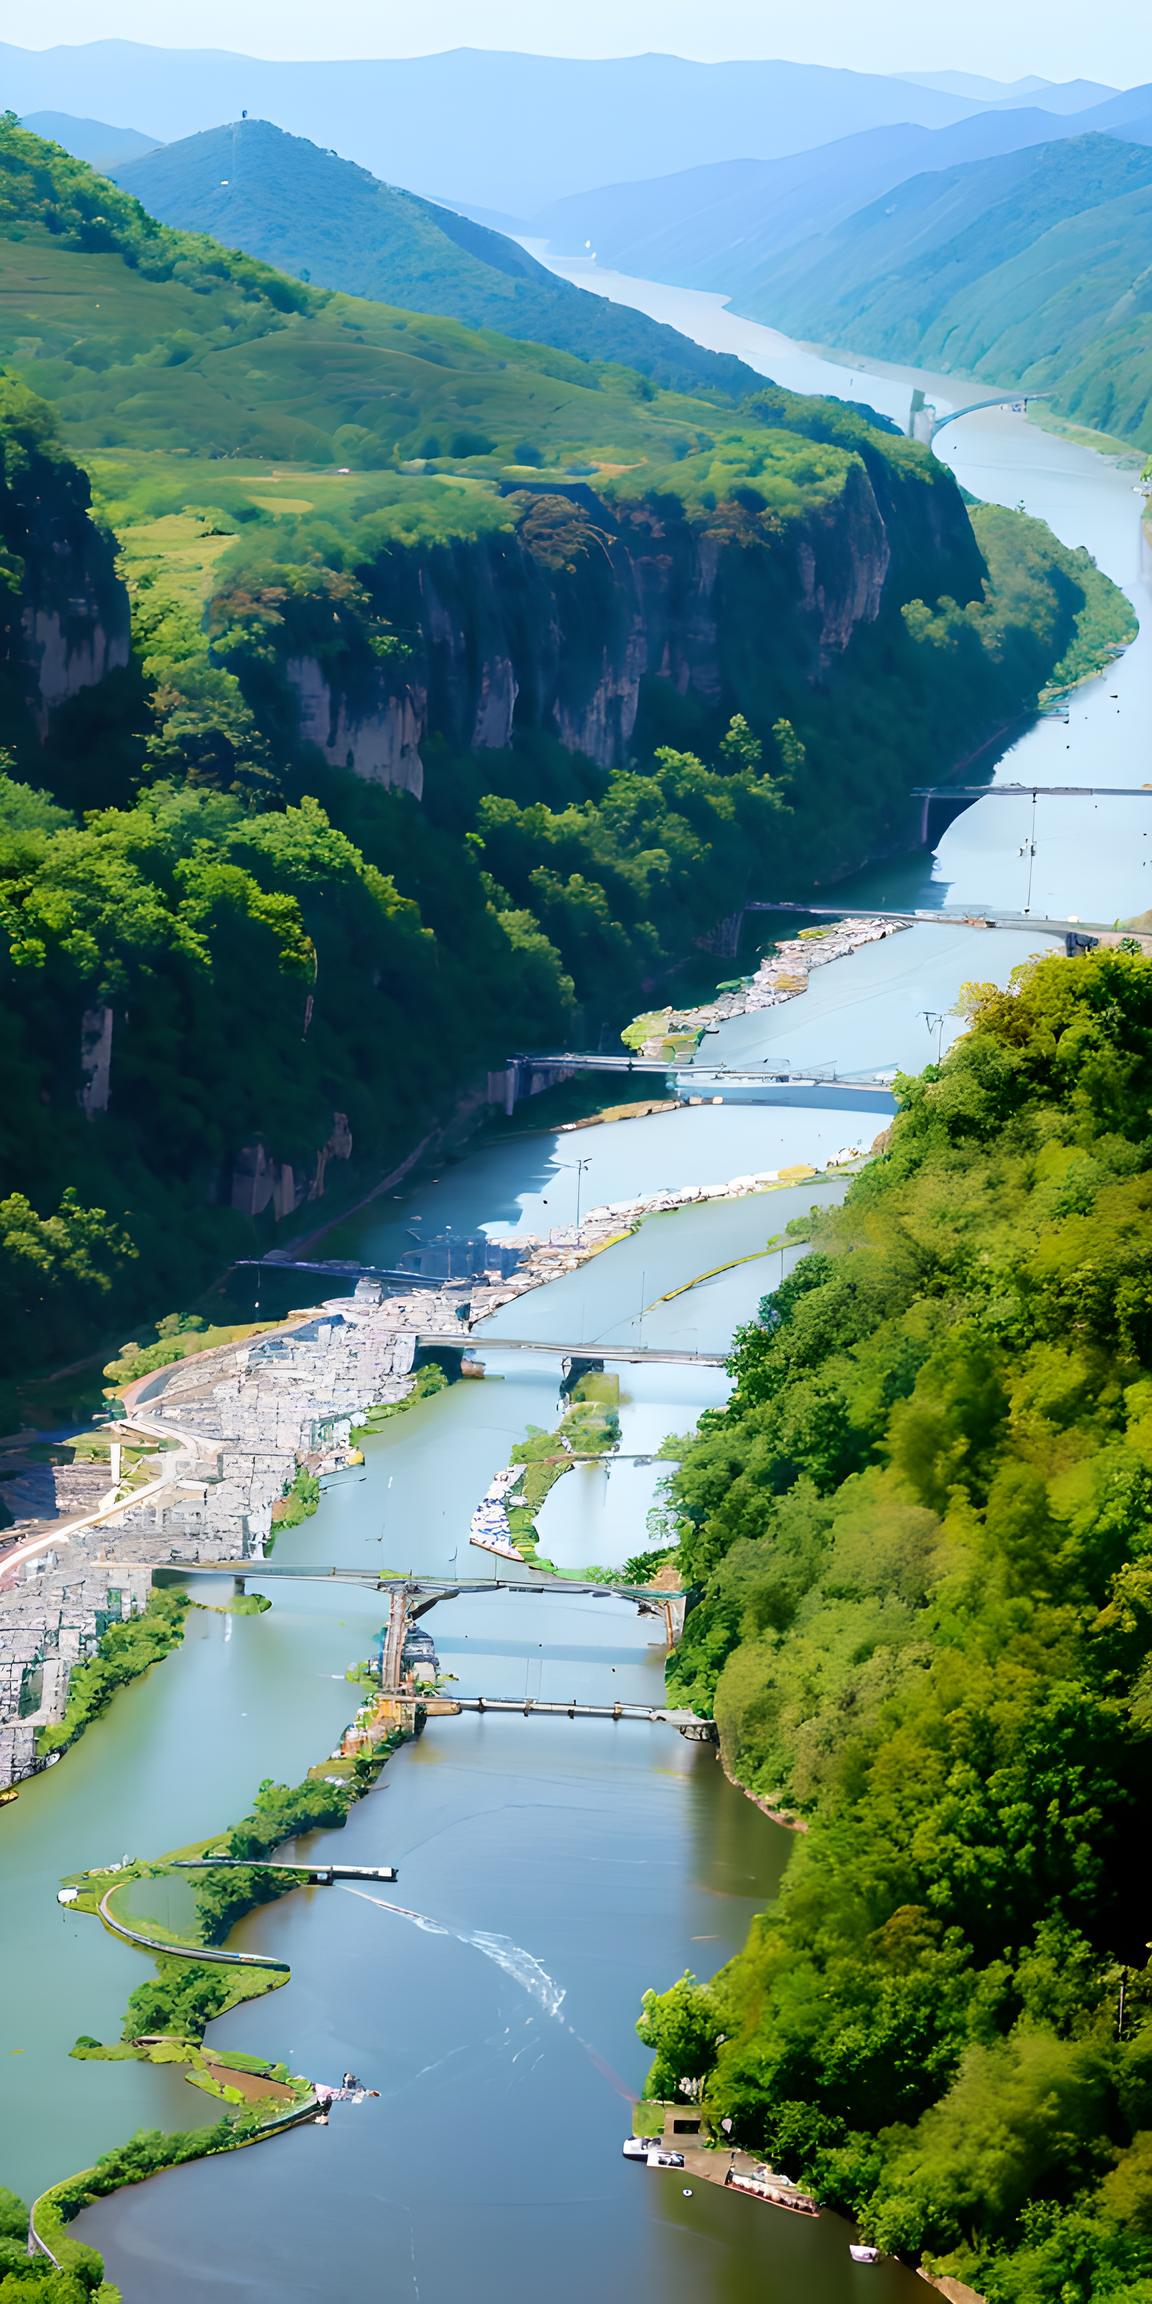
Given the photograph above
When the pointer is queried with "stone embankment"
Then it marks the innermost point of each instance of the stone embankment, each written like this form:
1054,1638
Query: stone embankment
782,975
567,1247
490,1527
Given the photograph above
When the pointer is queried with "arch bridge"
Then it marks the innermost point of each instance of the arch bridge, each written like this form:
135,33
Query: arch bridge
925,425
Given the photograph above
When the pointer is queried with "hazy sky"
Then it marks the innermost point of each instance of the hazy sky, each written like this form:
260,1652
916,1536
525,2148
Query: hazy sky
1110,42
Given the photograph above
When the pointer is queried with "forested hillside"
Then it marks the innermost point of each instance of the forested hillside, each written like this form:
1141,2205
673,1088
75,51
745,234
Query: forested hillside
352,779
723,227
1034,269
320,217
922,1526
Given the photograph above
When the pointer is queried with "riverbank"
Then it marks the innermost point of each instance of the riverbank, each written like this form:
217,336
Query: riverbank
781,976
166,2022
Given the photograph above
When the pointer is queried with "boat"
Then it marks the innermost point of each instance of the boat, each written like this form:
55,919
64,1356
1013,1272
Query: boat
777,2191
659,2158
638,2147
11,1792
861,2254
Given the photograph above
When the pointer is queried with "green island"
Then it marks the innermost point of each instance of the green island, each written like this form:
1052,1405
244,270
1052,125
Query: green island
590,1427
167,2018
922,1532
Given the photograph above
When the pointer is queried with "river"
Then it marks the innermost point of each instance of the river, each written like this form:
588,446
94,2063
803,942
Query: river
550,1870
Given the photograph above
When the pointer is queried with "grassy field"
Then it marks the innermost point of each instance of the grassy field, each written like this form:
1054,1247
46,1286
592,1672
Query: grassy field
198,369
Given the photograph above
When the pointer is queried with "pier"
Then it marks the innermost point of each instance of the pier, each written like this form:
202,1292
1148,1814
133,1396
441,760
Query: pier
322,1875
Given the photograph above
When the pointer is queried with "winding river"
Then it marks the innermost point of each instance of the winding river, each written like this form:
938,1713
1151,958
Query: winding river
550,1870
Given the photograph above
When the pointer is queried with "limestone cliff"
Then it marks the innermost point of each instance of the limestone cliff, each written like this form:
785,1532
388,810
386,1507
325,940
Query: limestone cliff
561,620
64,621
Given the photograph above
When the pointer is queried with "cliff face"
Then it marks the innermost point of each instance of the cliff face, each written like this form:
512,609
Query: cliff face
558,622
64,619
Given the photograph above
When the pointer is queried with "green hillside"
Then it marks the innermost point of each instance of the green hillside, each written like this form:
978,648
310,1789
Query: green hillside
922,1529
165,340
323,219
1034,269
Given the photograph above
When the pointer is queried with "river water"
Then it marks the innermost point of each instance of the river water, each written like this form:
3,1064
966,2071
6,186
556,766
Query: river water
550,1869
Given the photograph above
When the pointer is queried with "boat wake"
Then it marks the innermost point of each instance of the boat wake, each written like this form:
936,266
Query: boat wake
522,1966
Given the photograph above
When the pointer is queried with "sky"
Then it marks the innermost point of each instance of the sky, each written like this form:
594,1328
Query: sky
1110,42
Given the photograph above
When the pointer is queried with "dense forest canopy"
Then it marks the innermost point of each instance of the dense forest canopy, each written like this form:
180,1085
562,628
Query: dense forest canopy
923,1528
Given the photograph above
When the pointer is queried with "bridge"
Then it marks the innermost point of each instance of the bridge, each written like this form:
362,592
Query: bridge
689,1724
323,1875
633,1355
1017,401
427,1589
340,1268
765,1083
1037,923
925,425
929,792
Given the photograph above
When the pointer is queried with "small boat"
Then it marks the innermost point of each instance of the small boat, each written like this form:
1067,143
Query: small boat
776,2190
638,2147
861,2254
659,2158
11,1792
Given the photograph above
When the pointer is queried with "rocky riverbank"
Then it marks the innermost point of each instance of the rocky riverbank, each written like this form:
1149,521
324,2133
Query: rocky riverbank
782,975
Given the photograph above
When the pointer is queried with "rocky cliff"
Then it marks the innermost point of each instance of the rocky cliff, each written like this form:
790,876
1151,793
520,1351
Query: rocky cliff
562,619
64,620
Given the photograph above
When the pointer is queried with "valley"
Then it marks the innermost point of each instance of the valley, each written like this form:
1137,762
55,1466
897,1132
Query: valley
353,748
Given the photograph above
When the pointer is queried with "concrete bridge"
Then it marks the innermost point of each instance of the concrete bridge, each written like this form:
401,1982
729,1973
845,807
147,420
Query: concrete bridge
633,1355
427,1590
927,793
925,425
412,1596
687,1723
1037,923
739,1083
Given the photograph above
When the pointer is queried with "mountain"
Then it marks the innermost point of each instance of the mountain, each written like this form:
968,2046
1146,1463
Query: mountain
324,219
1032,269
1129,115
502,131
103,147
1055,95
717,227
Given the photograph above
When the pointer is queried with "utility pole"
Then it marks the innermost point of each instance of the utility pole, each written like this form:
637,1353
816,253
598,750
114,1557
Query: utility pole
1029,850
936,1024
579,1166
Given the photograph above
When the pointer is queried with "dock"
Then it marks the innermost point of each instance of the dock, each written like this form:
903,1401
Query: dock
322,1875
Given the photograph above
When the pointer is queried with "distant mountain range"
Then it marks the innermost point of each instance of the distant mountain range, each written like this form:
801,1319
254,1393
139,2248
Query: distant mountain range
95,141
324,219
724,226
505,132
1033,269
1054,95
1011,245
